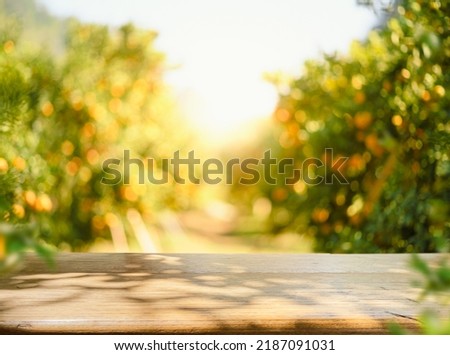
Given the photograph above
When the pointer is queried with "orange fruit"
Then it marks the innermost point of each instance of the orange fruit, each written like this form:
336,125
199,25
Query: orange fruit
363,120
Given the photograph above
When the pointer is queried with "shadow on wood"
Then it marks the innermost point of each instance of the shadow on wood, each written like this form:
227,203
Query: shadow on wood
210,294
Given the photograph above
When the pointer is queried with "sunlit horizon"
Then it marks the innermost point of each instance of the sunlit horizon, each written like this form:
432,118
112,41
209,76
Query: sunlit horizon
220,51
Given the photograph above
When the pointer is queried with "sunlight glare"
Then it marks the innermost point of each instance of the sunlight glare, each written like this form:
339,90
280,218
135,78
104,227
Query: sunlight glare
220,109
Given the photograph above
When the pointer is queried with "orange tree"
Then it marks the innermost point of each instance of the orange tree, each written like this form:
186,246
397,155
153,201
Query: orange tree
62,116
385,106
15,173
108,98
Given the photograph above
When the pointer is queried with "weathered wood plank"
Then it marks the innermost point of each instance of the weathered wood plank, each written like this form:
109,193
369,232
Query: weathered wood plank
210,293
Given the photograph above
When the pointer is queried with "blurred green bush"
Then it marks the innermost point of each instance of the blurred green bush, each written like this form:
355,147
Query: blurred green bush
435,286
61,116
385,106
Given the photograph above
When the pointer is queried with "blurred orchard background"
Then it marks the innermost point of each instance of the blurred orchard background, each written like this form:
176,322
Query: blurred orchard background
82,81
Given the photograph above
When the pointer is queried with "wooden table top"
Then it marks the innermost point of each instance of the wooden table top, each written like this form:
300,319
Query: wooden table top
212,294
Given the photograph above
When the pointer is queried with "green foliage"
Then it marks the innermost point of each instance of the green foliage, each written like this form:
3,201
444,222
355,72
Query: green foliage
109,98
385,106
12,95
62,116
15,237
436,280
435,286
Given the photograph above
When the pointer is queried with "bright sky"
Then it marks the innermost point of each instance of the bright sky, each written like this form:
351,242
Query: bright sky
224,47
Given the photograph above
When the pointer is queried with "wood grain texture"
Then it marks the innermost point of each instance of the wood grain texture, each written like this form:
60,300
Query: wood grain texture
212,294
